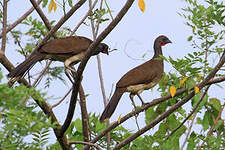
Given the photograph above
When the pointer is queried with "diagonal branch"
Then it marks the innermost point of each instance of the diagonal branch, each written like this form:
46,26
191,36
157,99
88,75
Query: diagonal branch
20,19
42,15
86,143
4,24
173,108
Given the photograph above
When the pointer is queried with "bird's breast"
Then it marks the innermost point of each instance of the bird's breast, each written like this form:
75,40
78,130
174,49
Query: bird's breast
140,87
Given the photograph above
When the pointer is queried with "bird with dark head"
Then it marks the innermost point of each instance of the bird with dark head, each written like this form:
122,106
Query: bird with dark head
69,50
140,78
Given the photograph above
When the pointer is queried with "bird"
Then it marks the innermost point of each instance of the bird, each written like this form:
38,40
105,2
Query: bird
69,50
138,79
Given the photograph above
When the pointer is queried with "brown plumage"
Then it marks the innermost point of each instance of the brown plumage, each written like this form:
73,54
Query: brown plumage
69,50
140,78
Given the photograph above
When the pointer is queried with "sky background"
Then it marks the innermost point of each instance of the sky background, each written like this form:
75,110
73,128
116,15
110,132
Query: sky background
133,37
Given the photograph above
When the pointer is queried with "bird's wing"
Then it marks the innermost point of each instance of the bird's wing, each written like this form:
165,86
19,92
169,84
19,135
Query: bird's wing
68,45
142,74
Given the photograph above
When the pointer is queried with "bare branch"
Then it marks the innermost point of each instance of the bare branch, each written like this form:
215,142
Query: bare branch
84,114
86,15
20,19
55,105
85,143
4,24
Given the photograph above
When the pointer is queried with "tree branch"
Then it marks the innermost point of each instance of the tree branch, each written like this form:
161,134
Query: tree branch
43,17
84,114
4,24
85,143
20,19
173,108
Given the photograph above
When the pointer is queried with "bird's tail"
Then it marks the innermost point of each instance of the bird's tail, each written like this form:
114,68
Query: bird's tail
24,66
111,106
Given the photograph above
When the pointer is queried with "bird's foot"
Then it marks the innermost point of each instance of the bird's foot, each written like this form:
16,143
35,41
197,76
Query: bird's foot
71,73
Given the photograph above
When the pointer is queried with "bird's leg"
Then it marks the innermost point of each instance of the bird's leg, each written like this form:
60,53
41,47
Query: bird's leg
135,108
68,67
132,100
143,103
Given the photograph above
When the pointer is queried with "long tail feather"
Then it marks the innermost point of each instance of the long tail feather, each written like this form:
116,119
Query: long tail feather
111,106
26,65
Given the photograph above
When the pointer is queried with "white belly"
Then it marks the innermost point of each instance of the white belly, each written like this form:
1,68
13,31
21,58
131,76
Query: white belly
140,87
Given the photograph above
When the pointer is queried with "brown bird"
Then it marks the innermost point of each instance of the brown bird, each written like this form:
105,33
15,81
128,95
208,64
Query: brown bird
69,50
138,79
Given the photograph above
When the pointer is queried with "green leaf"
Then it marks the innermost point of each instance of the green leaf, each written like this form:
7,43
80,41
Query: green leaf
190,38
70,3
215,103
150,115
205,121
219,123
44,4
78,125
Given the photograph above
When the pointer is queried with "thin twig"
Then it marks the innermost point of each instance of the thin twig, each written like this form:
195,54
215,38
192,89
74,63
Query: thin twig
195,114
86,15
20,19
212,128
189,130
85,143
4,24
64,97
95,33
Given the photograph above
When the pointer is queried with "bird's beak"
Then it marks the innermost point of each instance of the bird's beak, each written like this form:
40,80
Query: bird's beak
168,41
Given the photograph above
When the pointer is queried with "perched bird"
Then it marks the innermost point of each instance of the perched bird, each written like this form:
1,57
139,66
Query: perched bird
140,78
69,50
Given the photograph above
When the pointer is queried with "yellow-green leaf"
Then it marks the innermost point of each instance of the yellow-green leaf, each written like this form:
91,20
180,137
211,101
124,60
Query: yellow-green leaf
52,5
199,77
196,90
119,118
141,4
182,81
172,91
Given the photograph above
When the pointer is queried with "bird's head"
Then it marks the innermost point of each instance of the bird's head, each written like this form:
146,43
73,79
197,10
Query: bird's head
103,48
162,40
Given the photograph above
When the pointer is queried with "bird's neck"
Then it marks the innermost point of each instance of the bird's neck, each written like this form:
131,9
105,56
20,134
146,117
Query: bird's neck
157,51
